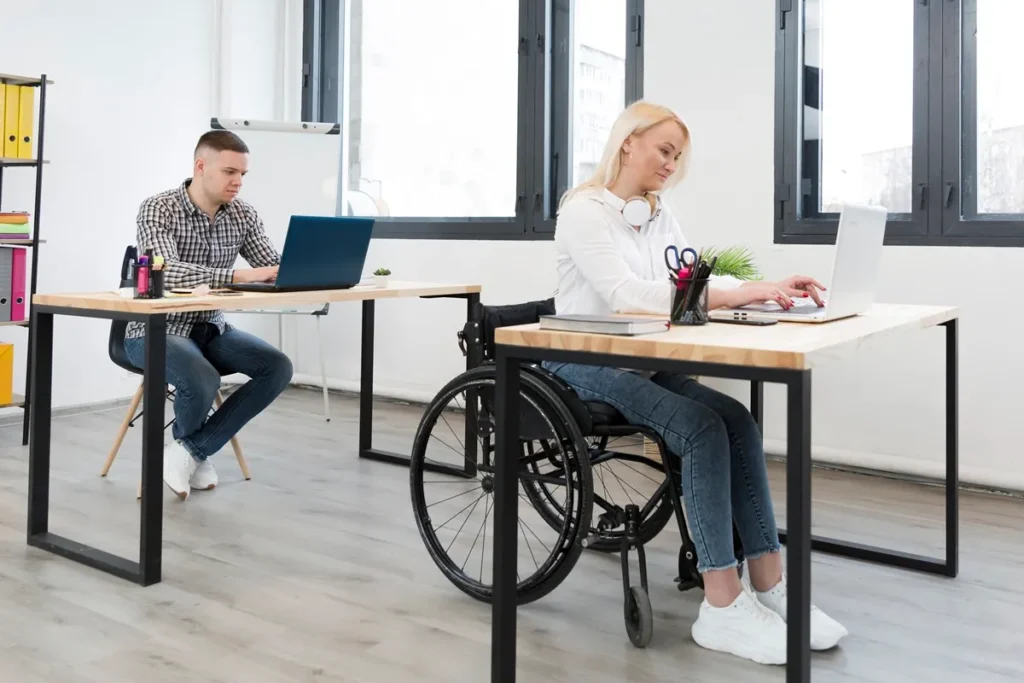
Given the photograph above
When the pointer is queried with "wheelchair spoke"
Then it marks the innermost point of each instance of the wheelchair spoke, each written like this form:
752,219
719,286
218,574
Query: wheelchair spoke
455,496
463,525
622,485
528,546
460,512
483,524
633,469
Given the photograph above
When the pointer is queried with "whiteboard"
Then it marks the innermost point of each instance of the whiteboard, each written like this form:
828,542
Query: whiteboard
291,172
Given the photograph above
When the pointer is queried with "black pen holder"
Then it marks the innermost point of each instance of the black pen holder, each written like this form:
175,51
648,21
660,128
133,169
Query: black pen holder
156,284
689,301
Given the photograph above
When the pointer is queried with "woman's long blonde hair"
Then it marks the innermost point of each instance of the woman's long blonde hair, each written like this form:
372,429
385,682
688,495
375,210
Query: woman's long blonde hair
634,120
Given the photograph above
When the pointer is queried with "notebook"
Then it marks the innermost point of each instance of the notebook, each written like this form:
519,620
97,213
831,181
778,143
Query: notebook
602,324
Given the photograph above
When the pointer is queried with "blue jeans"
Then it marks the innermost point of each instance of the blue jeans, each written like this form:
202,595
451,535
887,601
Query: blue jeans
724,479
195,365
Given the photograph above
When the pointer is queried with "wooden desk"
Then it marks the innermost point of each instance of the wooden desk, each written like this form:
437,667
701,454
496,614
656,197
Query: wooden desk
784,353
153,313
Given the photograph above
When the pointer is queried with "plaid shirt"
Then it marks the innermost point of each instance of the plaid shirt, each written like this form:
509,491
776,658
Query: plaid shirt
197,251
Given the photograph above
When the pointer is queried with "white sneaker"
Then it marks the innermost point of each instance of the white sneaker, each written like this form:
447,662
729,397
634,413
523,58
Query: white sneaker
205,477
826,632
179,465
746,628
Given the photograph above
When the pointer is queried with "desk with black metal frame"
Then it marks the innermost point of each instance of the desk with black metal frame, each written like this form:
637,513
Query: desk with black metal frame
153,313
783,354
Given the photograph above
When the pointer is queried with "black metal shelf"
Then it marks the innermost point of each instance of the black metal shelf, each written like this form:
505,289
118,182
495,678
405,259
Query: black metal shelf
32,240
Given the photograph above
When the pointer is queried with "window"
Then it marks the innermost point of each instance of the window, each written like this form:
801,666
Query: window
927,122
460,118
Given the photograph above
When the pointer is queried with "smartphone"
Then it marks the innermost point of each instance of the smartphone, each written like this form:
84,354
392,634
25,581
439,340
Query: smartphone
760,322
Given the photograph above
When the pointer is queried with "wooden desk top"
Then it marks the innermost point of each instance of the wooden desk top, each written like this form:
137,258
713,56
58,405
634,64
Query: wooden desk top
111,301
786,345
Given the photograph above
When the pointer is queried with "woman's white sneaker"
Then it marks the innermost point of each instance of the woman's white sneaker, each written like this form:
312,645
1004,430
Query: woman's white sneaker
746,628
826,632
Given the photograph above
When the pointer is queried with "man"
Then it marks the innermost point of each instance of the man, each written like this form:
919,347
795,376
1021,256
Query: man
200,228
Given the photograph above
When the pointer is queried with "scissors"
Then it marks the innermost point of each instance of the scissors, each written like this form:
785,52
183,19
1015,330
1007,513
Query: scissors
677,261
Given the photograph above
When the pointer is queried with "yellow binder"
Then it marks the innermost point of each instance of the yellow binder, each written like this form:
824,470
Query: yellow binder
11,114
6,374
26,117
3,117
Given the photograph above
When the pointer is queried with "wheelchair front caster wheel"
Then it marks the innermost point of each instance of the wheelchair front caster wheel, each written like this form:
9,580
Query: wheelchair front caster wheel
639,616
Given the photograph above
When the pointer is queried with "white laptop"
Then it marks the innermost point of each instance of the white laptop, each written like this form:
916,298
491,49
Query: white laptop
854,274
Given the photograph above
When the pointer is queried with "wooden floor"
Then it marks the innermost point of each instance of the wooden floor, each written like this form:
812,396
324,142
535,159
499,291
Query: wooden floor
314,571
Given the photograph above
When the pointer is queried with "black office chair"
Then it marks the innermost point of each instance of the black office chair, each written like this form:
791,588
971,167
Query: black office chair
119,356
567,437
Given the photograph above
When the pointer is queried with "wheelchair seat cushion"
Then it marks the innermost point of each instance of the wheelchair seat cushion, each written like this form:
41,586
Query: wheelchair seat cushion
604,414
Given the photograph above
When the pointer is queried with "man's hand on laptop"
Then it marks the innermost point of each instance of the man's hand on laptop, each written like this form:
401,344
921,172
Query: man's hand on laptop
268,274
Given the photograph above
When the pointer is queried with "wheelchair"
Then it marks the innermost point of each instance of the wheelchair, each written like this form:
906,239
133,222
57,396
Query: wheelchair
566,453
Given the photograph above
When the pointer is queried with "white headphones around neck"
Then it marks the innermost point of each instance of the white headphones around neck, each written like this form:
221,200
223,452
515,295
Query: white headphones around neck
640,210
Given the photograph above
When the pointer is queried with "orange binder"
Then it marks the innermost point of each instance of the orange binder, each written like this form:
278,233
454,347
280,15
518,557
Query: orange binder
26,119
12,112
6,374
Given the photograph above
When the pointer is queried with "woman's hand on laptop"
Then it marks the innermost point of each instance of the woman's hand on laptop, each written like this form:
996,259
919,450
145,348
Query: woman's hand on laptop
802,286
268,274
756,293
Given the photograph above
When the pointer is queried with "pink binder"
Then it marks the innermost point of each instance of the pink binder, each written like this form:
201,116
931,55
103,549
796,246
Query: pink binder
18,284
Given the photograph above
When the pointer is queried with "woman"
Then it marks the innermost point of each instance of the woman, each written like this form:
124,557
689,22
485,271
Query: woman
610,236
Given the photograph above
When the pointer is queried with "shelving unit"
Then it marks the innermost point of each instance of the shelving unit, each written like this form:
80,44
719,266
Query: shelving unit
37,163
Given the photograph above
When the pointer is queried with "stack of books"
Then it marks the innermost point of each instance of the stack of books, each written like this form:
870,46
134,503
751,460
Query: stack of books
14,225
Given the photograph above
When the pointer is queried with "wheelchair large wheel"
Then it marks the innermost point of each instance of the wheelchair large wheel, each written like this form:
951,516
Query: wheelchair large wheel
453,513
619,478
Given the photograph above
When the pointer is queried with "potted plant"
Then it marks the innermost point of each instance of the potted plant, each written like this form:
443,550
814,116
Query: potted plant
736,261
380,277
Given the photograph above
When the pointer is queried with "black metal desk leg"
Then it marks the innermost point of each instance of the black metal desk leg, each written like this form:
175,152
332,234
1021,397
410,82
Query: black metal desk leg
41,382
757,403
798,513
506,516
472,361
153,399
952,448
366,381
366,449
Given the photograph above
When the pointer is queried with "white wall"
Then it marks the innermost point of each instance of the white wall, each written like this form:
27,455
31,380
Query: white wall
131,93
135,84
714,62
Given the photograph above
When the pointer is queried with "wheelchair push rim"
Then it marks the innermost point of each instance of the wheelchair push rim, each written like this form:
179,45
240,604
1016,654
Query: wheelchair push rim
547,557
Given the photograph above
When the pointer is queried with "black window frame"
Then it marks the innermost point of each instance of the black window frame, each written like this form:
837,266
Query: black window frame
944,136
544,102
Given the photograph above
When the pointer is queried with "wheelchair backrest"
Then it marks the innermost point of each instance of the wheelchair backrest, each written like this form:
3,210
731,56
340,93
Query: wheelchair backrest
489,318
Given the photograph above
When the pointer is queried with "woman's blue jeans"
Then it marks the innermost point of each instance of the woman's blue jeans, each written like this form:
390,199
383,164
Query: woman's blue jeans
724,479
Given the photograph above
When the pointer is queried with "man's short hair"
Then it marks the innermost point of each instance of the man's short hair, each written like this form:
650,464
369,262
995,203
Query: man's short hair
221,141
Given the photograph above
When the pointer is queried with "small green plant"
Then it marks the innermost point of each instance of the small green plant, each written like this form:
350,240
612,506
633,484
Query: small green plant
382,271
736,261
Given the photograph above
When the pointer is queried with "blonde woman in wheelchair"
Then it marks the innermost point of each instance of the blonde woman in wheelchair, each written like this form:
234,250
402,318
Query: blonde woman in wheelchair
611,235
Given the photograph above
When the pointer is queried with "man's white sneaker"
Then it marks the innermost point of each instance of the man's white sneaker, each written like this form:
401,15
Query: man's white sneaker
826,632
205,477
179,465
746,628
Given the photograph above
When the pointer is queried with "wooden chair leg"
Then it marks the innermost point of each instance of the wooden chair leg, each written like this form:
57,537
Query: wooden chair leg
136,399
235,446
